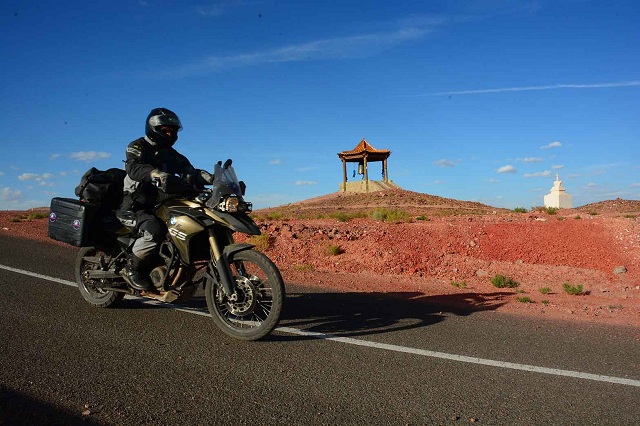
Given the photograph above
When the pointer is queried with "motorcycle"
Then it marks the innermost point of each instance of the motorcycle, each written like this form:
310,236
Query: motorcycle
244,289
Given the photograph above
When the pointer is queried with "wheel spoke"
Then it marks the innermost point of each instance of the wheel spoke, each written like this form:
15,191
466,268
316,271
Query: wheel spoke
257,308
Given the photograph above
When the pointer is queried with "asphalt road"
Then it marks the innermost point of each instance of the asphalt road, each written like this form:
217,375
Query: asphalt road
337,358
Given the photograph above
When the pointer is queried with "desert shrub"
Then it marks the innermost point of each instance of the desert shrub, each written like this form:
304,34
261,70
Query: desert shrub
520,210
524,299
593,213
545,290
393,215
502,281
33,216
303,267
422,217
332,250
561,218
274,215
551,210
260,241
267,216
577,217
630,216
545,302
340,216
571,289
459,284
28,217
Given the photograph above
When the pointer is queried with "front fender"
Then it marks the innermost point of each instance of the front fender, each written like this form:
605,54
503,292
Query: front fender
231,249
239,222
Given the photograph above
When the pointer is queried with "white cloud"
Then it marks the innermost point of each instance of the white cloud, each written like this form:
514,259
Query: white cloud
557,166
635,185
1,173
28,176
443,163
532,160
356,46
545,173
54,156
592,185
8,194
507,169
555,144
275,162
494,181
89,155
40,179
306,182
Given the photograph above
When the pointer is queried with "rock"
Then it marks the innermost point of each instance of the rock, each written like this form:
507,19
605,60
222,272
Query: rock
619,270
481,273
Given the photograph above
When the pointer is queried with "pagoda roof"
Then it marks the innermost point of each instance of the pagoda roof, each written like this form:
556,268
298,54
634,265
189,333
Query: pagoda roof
364,149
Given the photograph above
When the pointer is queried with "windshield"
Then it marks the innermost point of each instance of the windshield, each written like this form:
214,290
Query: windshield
225,182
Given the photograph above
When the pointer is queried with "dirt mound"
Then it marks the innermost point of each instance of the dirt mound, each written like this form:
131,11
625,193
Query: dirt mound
414,203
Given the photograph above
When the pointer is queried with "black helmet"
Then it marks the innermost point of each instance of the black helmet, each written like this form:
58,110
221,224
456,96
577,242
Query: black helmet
158,118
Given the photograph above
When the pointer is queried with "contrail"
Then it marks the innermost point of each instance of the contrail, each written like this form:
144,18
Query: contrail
528,88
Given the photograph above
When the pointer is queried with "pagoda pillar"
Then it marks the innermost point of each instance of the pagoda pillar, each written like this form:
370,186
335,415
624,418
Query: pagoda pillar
344,175
384,170
366,174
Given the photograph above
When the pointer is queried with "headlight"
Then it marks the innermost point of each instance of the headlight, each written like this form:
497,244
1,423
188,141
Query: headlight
233,204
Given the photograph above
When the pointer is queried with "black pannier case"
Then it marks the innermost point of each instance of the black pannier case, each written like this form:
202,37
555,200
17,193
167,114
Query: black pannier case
71,221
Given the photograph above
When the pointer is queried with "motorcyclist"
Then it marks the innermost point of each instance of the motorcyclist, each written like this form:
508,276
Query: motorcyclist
151,164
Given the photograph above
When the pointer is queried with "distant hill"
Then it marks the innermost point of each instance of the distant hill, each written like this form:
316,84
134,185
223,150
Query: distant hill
414,203
612,206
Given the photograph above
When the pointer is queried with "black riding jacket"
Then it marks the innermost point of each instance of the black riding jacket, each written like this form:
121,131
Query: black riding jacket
143,158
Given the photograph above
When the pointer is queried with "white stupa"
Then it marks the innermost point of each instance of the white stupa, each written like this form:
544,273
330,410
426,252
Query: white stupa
558,196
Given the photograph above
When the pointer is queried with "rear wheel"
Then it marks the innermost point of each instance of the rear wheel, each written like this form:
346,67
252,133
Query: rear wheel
260,292
92,289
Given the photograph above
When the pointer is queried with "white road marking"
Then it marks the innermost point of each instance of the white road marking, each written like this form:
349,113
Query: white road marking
377,345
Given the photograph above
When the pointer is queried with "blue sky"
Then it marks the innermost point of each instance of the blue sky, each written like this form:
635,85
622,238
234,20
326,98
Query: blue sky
477,100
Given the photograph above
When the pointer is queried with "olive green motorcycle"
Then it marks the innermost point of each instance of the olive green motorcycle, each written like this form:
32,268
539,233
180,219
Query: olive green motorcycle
244,289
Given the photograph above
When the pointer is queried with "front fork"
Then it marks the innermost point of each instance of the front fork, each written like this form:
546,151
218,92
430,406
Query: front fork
222,259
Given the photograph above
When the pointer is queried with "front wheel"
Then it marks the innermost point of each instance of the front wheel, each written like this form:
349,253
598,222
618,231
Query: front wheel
255,310
91,289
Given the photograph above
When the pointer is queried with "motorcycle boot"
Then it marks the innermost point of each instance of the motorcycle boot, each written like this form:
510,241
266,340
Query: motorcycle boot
134,274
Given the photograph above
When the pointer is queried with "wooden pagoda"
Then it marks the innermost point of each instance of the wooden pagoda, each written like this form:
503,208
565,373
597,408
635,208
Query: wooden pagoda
363,154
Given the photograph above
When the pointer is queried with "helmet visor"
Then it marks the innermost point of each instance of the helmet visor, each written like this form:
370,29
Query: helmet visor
165,120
